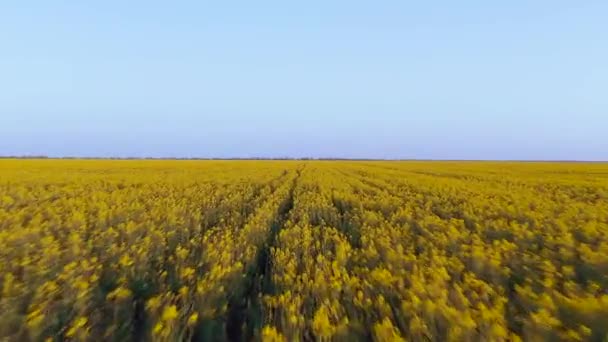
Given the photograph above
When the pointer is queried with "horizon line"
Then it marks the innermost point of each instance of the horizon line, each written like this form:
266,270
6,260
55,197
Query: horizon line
43,157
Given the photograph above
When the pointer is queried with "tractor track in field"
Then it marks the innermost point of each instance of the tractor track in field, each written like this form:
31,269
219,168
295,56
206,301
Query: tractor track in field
139,317
245,316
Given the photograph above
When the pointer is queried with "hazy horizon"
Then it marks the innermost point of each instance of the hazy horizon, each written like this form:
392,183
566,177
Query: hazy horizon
391,80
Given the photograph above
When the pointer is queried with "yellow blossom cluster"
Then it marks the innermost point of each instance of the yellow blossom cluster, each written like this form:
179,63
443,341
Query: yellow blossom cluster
303,250
444,251
130,249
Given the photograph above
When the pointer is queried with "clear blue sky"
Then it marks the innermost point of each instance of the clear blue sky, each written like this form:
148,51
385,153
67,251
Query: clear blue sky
386,79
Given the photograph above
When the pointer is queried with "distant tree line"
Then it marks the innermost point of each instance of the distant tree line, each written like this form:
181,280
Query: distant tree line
186,158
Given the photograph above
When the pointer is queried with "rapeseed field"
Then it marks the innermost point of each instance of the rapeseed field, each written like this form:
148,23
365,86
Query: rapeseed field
96,250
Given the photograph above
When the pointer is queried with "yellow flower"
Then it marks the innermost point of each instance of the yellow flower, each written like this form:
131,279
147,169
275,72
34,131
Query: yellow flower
386,332
125,260
169,313
321,325
158,327
120,293
76,326
193,319
34,318
188,273
270,334
153,303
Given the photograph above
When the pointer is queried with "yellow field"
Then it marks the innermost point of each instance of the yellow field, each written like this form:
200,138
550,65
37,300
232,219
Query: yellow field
303,250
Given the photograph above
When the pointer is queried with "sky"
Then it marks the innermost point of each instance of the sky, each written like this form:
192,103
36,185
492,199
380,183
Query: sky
350,79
